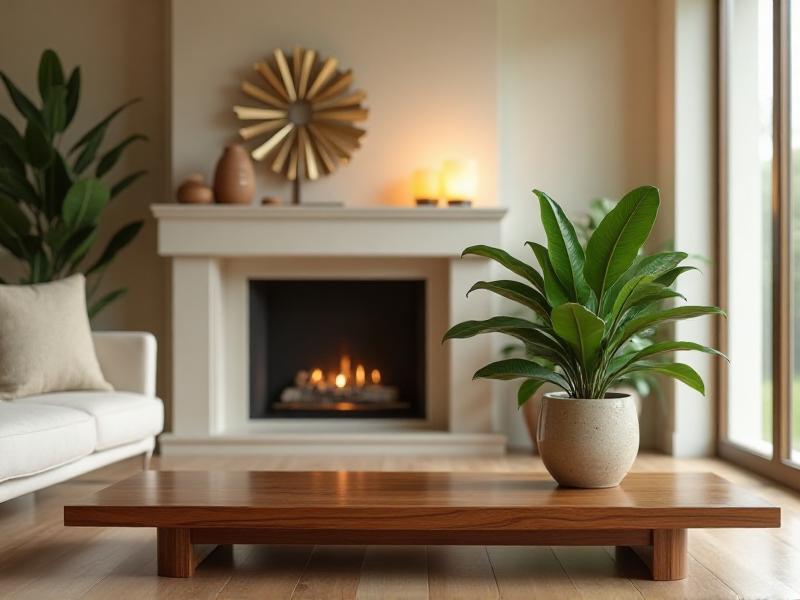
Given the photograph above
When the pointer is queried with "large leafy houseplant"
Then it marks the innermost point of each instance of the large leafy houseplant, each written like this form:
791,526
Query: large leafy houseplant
590,304
51,200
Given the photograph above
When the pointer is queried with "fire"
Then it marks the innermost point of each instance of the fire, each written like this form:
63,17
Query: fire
375,376
361,376
316,376
341,380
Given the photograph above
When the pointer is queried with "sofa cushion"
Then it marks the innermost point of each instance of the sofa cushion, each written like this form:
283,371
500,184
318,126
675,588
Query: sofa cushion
35,438
46,343
121,417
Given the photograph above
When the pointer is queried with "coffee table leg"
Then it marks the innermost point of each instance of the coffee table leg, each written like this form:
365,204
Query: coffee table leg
670,556
175,553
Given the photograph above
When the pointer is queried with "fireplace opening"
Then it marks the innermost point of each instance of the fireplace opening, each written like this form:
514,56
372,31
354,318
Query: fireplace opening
337,348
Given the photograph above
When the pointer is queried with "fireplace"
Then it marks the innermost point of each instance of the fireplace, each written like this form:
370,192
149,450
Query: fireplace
337,349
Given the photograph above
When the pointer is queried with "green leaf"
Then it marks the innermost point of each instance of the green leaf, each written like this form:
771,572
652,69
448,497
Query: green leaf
581,329
110,158
618,238
66,244
622,362
119,240
54,111
73,95
14,226
50,73
84,202
679,371
518,292
670,276
509,262
554,291
98,306
519,368
15,184
99,129
26,108
37,146
564,249
645,321
12,138
469,329
123,183
653,265
528,388
82,249
57,180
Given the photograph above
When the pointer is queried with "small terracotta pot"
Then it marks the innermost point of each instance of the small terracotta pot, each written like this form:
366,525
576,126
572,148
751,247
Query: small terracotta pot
234,178
194,190
588,443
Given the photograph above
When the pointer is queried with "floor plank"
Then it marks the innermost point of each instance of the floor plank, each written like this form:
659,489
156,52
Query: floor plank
595,574
391,572
462,572
524,573
267,572
332,572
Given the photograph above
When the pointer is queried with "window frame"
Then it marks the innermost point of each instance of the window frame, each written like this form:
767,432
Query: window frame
777,466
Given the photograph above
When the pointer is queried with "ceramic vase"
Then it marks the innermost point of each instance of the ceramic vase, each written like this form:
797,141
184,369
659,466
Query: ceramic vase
234,178
194,190
588,443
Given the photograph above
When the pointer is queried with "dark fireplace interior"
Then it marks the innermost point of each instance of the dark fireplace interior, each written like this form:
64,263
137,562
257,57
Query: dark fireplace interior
337,348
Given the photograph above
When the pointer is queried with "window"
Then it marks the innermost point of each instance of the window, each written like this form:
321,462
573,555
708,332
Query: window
760,241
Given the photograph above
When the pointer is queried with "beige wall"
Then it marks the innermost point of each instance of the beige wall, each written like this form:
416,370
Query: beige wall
429,70
120,46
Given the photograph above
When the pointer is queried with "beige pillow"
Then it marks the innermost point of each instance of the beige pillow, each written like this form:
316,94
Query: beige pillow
45,340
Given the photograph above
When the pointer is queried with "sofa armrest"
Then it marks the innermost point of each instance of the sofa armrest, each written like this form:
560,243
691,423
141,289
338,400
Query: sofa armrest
128,360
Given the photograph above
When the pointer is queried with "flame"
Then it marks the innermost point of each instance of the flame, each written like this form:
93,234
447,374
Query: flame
361,376
375,376
316,376
344,366
341,380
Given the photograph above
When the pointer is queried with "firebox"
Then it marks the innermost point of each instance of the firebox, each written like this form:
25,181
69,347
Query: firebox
337,348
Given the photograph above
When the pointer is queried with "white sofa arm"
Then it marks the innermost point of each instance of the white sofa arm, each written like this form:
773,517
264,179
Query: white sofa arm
128,360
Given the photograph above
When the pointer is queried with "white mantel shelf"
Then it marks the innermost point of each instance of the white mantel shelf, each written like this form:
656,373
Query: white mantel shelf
228,231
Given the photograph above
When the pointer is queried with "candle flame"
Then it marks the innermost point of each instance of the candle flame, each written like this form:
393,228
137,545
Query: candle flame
375,376
361,376
316,376
341,380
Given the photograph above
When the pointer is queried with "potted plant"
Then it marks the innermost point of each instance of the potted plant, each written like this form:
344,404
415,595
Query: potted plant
51,198
589,305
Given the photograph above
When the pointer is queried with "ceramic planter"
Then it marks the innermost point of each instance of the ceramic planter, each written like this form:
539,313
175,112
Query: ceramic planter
588,443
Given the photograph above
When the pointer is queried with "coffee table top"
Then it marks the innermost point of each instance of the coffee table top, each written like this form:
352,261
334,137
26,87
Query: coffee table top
398,500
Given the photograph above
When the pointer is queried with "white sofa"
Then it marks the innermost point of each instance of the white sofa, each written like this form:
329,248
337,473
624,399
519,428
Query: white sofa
49,438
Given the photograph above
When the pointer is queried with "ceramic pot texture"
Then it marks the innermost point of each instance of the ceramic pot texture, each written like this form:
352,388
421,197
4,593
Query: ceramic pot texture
588,443
234,178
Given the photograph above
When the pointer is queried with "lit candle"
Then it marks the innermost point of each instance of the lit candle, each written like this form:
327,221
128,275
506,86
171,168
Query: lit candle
361,376
425,185
341,380
344,367
375,376
459,182
316,377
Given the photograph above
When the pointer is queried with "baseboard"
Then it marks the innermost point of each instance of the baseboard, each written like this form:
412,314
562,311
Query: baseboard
404,443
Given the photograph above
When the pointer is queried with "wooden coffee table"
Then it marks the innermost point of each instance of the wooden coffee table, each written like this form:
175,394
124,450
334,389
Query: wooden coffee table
648,511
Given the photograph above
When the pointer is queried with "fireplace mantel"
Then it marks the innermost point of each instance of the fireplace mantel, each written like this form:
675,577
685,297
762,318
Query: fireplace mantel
228,231
215,250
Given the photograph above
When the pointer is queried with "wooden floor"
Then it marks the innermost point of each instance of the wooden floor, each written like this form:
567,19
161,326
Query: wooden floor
39,558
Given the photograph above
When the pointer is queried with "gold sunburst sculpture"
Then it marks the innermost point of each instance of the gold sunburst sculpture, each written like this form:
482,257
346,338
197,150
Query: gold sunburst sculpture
307,113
